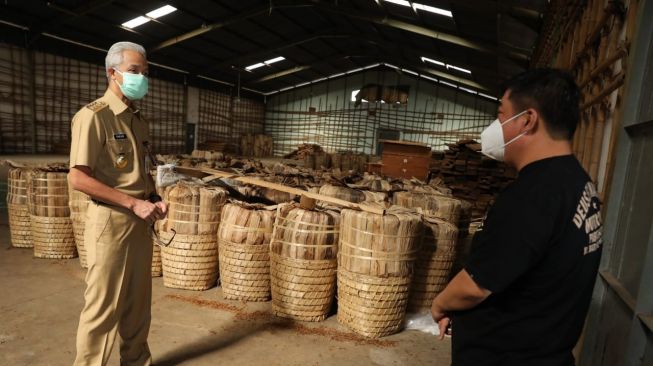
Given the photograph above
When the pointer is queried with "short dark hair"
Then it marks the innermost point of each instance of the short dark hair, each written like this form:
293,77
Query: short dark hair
553,94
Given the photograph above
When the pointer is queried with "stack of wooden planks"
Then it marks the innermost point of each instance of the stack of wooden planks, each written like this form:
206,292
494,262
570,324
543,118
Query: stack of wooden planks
470,175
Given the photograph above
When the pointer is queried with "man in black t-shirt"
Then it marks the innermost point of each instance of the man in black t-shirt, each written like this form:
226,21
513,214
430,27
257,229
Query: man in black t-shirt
524,292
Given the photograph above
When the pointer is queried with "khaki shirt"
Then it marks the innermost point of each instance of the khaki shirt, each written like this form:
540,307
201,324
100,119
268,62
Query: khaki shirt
109,137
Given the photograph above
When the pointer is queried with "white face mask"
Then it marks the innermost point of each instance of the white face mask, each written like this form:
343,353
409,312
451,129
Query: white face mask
492,142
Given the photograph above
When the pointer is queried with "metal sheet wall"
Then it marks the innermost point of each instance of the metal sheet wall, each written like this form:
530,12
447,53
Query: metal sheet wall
323,113
61,87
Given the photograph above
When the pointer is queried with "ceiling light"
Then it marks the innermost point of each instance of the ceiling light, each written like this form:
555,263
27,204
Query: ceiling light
449,84
418,6
255,66
433,9
468,90
154,14
164,10
459,69
426,59
488,96
428,78
398,2
136,22
276,59
261,64
448,66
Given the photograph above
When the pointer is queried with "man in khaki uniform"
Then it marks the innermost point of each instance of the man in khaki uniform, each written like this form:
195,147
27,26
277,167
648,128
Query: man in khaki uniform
108,161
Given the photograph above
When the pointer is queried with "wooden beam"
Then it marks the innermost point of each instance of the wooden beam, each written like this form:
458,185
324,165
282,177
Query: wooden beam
208,172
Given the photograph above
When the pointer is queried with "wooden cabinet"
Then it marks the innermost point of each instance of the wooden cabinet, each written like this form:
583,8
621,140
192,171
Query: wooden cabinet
405,159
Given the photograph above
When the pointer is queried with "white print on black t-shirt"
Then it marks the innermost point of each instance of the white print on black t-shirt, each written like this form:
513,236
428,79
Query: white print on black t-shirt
589,201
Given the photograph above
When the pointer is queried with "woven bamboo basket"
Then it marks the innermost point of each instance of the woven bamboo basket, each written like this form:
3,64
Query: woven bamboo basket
434,264
52,228
303,262
464,247
19,220
78,204
191,260
443,207
244,245
194,209
376,262
157,264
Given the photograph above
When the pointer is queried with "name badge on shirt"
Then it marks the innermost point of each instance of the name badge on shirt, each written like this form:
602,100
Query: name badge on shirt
119,136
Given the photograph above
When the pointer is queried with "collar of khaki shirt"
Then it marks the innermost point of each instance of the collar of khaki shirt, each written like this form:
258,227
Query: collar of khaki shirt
116,105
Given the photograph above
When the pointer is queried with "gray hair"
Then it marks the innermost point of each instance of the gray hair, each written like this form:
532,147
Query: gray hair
114,56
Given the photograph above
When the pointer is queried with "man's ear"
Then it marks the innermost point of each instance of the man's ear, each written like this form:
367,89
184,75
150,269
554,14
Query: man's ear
531,122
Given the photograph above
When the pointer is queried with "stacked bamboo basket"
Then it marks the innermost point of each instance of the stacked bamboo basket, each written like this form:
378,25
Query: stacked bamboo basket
244,245
376,262
78,204
303,255
52,228
433,267
442,215
19,220
465,236
157,264
443,207
191,260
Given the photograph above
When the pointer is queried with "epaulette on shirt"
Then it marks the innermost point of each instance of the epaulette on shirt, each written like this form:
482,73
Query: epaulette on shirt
97,105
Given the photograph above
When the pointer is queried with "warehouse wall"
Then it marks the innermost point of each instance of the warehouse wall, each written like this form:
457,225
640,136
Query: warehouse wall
435,114
620,324
63,85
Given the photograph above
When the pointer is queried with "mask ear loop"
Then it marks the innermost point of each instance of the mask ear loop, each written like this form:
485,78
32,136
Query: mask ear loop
518,136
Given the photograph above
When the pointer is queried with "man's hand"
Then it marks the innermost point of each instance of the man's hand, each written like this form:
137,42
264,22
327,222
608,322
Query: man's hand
148,211
441,318
163,208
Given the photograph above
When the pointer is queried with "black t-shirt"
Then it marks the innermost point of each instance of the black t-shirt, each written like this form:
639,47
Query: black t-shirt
538,252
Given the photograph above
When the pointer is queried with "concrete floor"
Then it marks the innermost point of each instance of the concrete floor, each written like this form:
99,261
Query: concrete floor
40,302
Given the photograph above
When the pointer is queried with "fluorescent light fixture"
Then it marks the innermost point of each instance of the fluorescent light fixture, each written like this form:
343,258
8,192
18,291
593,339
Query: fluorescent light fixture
135,22
459,69
302,84
418,6
487,96
428,78
448,84
273,60
398,2
468,90
433,9
391,66
439,63
154,14
158,13
448,66
336,75
261,64
255,66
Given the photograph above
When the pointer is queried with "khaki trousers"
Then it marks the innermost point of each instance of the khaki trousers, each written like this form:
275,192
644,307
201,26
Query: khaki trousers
118,294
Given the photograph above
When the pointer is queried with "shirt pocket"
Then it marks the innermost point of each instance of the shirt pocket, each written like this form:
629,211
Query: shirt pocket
121,153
